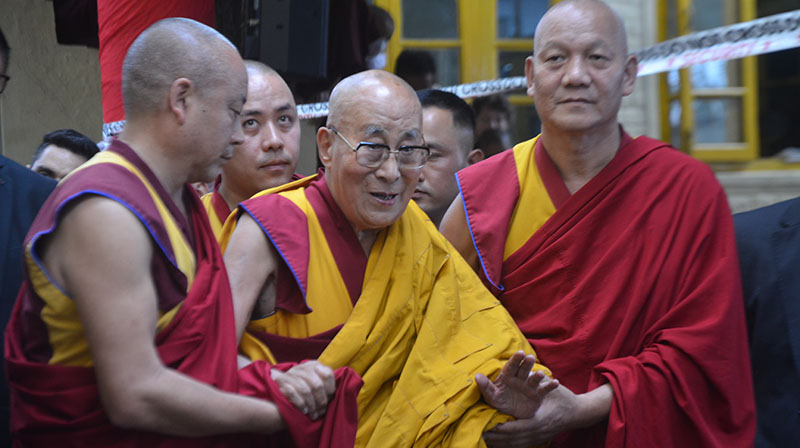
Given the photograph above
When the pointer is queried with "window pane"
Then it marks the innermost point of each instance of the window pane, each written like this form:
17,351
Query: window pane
713,13
675,124
715,74
511,63
526,123
718,120
673,81
448,65
517,19
430,19
672,19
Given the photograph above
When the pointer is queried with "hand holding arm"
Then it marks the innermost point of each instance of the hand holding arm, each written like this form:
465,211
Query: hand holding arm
308,386
560,410
517,391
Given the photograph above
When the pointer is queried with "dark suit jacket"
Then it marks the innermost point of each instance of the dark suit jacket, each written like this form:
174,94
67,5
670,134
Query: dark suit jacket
769,253
22,193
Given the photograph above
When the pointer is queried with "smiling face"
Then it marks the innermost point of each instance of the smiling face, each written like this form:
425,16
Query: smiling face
580,69
379,109
268,154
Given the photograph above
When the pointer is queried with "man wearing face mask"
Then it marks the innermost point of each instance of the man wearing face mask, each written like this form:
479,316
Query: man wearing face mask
380,27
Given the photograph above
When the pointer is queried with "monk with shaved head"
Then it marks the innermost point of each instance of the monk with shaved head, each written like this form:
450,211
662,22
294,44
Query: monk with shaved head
615,255
268,153
123,333
343,268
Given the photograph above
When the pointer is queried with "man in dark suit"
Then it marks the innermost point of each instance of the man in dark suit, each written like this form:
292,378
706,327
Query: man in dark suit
22,192
768,240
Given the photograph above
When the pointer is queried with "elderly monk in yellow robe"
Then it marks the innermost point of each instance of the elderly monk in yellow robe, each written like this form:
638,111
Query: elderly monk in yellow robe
342,267
267,155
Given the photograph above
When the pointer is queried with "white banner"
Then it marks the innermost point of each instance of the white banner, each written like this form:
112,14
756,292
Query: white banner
760,36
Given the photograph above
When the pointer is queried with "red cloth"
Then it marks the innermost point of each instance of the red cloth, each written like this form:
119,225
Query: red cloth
286,226
633,281
120,22
57,405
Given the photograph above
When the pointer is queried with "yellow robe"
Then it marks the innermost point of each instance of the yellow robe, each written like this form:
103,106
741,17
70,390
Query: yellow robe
423,326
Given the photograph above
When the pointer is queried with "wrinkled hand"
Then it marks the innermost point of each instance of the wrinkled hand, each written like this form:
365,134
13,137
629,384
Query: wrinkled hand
517,391
308,386
556,413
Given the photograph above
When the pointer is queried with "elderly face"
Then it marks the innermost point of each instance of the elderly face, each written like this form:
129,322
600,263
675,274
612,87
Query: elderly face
579,71
389,114
268,154
449,147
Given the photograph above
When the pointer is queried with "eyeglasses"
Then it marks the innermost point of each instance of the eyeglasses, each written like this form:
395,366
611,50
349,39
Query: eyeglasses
372,155
3,80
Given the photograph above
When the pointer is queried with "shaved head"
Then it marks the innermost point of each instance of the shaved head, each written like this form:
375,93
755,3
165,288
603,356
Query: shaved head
170,49
371,85
587,8
256,67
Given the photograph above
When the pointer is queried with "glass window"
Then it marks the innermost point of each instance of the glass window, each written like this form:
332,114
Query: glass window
511,63
673,81
675,123
517,19
713,13
715,74
526,123
430,19
718,120
448,64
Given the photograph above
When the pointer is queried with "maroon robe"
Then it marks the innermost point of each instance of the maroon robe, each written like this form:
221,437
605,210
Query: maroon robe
633,281
59,405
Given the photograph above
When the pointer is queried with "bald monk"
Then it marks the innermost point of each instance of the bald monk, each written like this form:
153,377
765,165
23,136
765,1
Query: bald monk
123,332
614,255
267,155
342,267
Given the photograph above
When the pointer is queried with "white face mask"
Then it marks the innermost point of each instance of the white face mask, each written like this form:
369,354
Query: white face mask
378,61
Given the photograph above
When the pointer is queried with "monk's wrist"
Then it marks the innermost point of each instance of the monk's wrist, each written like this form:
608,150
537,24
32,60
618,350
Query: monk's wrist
593,407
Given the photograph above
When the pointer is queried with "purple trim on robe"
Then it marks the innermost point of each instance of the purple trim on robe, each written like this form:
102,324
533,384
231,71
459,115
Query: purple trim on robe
117,183
489,225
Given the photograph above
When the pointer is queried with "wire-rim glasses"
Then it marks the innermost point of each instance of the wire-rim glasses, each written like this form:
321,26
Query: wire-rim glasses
372,155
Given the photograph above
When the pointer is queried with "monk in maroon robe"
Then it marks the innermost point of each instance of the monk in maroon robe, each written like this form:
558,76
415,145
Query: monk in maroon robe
615,256
123,333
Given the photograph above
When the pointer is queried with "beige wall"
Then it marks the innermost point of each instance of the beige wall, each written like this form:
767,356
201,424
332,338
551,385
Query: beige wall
52,86
639,113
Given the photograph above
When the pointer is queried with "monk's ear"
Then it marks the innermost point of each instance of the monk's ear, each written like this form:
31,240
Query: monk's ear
325,145
475,156
179,92
629,77
529,75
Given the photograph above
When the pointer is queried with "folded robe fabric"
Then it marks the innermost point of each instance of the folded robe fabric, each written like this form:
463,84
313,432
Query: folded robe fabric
54,394
632,280
421,328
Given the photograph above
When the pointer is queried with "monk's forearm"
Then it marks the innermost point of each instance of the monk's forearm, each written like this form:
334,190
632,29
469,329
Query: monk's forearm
593,406
172,403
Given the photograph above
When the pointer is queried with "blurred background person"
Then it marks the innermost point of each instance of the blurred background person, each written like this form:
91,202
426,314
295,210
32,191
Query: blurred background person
490,142
493,112
417,68
61,152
